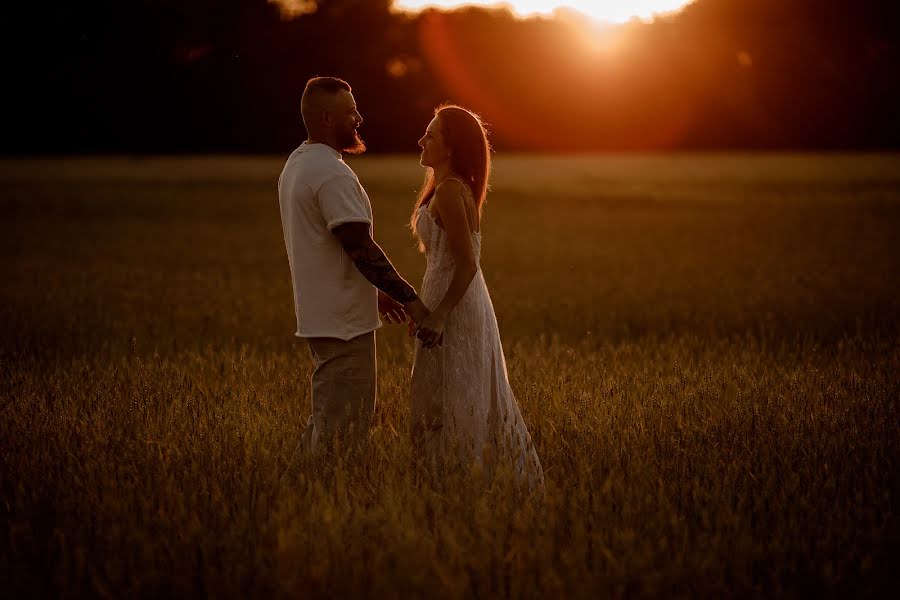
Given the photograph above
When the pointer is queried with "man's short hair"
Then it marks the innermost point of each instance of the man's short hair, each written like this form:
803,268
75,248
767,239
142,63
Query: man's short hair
316,88
330,85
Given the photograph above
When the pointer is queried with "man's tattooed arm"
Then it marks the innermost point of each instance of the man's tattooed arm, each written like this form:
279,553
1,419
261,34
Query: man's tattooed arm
369,258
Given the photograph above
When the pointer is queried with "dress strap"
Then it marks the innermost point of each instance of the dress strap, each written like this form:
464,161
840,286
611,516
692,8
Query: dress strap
466,186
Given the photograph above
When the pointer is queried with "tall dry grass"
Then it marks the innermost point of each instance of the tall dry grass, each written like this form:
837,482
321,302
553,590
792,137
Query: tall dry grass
704,348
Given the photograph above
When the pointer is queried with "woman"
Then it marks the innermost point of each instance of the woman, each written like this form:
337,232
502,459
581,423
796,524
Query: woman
461,401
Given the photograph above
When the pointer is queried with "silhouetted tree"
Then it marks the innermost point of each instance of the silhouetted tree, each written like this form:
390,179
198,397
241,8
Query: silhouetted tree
226,75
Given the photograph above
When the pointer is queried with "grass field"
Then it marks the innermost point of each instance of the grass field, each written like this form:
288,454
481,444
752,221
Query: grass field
705,349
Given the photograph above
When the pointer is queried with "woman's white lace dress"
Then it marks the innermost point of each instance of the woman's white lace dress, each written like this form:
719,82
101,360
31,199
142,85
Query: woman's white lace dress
461,401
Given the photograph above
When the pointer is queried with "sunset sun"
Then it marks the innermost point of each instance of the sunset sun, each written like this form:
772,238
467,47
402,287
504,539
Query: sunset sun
617,11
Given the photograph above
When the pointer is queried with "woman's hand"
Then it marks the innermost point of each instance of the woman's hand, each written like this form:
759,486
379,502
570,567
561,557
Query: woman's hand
431,330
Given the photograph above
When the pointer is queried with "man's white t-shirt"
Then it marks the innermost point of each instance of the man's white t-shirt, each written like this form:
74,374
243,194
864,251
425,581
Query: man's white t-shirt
318,191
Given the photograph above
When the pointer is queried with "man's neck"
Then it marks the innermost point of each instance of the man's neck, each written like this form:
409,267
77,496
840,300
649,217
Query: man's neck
332,145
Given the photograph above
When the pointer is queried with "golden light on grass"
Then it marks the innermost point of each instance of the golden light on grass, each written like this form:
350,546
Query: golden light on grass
616,11
704,348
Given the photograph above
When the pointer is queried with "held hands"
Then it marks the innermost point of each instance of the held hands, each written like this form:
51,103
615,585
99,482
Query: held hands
431,330
417,310
425,325
393,312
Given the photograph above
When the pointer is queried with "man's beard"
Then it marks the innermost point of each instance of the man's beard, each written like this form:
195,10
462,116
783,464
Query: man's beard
350,142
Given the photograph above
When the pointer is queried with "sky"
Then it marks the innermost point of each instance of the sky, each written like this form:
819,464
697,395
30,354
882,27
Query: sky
618,11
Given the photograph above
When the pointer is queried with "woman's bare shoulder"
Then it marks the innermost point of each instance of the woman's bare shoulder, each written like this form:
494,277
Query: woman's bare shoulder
450,189
454,197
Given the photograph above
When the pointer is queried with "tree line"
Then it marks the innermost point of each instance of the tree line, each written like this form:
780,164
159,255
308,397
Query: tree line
148,76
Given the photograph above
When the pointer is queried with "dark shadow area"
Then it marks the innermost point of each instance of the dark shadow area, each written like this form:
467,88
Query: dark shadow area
202,76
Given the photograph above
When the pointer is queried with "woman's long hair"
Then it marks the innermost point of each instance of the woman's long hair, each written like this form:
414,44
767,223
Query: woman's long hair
470,155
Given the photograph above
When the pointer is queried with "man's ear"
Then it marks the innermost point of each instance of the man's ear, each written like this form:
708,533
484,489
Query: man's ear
326,118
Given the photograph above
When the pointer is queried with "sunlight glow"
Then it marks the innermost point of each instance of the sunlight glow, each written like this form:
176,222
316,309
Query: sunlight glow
617,11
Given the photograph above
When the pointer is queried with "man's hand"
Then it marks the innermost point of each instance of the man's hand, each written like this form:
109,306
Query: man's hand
390,310
417,310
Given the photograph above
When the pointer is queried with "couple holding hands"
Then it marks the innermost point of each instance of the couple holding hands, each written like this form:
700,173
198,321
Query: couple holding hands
462,406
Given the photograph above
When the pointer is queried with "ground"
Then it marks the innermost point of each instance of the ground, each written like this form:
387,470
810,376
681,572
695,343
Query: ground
704,347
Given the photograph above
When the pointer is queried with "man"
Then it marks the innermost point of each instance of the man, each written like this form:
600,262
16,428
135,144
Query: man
336,266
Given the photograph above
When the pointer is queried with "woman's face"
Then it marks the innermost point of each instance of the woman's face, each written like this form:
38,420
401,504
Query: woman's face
434,151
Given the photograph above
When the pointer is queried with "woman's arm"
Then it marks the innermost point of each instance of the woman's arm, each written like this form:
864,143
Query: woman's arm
449,204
